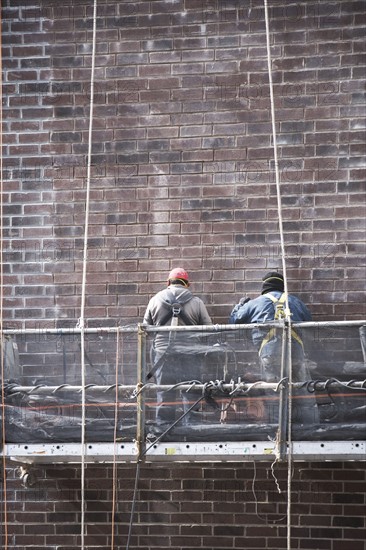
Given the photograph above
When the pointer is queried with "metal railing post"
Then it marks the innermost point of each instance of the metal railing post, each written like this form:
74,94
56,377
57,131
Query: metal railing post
141,405
284,396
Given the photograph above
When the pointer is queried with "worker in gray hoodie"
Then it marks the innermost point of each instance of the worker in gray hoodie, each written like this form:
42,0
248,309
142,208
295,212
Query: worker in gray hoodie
173,358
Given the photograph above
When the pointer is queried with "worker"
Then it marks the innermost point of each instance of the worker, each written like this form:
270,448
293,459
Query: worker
174,357
270,306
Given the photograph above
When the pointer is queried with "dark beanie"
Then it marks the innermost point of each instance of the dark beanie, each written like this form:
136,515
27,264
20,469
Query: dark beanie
272,281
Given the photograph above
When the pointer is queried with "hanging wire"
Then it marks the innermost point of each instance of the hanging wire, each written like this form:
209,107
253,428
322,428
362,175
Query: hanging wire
265,519
81,322
140,458
283,257
133,504
3,429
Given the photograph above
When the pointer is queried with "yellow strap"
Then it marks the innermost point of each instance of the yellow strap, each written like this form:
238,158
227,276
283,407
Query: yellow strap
273,331
270,334
296,337
281,300
273,298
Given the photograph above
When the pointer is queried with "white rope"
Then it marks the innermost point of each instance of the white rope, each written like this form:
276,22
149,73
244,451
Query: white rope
81,322
275,154
283,257
115,449
289,440
5,536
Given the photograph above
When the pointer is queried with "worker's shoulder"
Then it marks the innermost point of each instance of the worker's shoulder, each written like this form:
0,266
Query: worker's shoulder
156,298
196,299
294,298
262,299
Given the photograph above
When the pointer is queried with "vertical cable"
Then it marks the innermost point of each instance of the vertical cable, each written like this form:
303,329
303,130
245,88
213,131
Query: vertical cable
275,155
289,439
283,257
133,504
81,322
3,430
114,474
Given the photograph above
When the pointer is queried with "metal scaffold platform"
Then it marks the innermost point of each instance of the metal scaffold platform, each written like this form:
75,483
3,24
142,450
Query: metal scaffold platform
241,417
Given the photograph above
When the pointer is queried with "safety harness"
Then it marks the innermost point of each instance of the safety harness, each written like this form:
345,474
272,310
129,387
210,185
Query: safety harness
174,306
279,315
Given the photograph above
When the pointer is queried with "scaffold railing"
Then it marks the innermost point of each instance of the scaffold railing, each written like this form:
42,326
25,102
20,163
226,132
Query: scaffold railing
233,415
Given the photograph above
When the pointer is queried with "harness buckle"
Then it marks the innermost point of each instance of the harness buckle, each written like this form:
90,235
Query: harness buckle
176,309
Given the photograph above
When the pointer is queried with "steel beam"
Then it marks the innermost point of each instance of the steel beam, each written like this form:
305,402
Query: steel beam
239,451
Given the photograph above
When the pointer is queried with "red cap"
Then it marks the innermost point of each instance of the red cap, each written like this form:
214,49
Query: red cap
178,273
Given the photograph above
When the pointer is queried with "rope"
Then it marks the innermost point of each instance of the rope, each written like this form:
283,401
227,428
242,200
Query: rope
284,270
114,468
289,441
275,154
81,322
5,501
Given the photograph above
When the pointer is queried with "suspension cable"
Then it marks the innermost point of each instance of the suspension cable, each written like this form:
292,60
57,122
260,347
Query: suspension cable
289,439
81,322
114,467
3,429
275,156
284,270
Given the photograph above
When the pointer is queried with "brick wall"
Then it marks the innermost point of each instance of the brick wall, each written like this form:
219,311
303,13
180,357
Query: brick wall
193,506
182,172
182,169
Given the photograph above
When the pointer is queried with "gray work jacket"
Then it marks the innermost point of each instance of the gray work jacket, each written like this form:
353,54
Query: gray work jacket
194,311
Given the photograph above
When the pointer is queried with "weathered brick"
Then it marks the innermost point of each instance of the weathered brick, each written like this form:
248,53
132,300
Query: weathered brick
183,166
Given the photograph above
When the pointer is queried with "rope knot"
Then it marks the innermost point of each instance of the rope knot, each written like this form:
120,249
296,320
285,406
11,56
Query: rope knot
80,324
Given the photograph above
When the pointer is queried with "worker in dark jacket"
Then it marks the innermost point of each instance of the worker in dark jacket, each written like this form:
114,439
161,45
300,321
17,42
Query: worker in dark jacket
174,358
270,306
263,309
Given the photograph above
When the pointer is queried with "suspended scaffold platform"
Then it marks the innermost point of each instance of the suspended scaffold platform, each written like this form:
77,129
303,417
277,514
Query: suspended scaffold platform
227,412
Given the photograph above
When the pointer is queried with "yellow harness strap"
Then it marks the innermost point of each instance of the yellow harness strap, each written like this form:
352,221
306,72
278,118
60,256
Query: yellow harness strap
279,314
279,303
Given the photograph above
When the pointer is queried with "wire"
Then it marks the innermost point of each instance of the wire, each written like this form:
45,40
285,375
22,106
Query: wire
138,464
160,437
133,505
259,516
313,386
275,477
81,323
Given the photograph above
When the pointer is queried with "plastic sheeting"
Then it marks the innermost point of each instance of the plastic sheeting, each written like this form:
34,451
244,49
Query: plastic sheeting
43,398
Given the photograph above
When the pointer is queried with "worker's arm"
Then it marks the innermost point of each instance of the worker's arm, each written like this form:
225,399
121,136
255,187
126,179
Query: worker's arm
148,320
240,313
205,319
